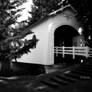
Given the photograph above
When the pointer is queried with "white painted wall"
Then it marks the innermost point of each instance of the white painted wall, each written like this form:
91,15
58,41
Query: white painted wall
43,53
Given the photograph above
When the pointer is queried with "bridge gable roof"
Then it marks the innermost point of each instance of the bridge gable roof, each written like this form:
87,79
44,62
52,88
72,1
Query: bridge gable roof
55,13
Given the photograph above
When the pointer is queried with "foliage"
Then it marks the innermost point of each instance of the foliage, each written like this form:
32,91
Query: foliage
84,9
42,8
10,38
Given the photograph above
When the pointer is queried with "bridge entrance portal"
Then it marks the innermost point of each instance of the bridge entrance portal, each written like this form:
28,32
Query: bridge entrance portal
64,36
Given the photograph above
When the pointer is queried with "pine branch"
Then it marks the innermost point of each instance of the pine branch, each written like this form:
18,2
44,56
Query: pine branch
21,35
28,44
7,17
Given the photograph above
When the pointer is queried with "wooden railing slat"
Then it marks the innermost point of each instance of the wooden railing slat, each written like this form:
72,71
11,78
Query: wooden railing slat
82,51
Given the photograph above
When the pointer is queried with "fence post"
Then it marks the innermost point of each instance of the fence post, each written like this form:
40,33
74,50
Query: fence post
87,50
63,51
56,51
73,52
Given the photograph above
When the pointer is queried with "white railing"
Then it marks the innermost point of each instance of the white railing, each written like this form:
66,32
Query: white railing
79,51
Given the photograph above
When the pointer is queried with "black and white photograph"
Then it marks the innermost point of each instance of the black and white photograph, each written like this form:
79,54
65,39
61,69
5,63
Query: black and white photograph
45,46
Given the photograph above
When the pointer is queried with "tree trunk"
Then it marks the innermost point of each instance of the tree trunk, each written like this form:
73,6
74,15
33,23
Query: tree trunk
5,68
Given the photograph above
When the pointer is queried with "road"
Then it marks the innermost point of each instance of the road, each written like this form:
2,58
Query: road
76,78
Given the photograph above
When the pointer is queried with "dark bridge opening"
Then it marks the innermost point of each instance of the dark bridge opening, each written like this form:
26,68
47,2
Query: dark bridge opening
63,36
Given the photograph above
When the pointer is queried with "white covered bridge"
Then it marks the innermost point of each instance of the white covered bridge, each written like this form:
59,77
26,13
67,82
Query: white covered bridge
54,32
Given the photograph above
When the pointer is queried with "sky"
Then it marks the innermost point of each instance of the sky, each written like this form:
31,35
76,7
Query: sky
24,13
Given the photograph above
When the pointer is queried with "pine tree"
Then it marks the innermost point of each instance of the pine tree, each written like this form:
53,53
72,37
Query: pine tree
11,45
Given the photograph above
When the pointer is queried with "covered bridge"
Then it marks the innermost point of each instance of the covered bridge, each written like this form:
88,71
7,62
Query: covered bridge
60,24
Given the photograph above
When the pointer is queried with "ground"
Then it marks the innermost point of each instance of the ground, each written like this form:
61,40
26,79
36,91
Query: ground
77,78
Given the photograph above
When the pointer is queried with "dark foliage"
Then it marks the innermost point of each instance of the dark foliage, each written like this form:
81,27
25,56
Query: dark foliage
7,17
28,44
11,44
42,8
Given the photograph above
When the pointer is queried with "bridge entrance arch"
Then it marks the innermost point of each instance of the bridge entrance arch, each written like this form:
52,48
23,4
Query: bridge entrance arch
65,35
